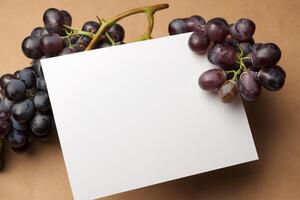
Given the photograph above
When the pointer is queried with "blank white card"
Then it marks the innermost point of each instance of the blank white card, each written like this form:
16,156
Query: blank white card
133,115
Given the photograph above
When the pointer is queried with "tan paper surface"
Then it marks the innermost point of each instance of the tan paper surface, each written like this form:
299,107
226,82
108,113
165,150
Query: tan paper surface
40,173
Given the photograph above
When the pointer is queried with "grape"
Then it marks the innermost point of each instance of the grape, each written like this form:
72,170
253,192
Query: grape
217,31
272,78
199,41
91,26
40,124
5,124
6,104
36,32
83,42
212,79
71,41
223,55
67,17
277,67
248,86
37,68
28,77
31,47
52,44
228,91
41,84
2,95
177,26
5,79
44,32
19,126
194,22
246,48
245,29
53,20
116,32
23,110
41,101
219,19
66,51
16,139
15,90
264,55
103,45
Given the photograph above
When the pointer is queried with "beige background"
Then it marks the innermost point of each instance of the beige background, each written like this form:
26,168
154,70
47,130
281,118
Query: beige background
274,119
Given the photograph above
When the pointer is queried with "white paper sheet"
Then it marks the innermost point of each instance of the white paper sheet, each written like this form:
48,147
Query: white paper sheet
133,115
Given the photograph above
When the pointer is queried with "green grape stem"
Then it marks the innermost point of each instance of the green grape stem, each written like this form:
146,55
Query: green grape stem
241,63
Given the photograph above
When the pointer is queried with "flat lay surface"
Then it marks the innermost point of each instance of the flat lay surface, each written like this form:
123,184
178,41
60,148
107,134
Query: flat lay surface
274,118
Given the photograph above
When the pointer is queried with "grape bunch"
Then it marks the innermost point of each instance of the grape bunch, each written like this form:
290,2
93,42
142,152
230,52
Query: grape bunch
243,66
25,109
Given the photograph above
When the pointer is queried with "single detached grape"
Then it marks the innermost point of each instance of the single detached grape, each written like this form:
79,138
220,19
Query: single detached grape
272,78
194,22
41,101
52,44
217,31
245,29
5,124
5,79
41,84
15,90
28,77
23,110
31,47
116,32
199,41
228,91
40,124
67,17
18,125
91,26
264,55
249,87
223,55
36,32
212,79
177,26
54,20
16,139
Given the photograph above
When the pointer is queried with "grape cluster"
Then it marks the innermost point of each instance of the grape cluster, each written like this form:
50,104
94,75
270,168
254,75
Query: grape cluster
25,109
244,66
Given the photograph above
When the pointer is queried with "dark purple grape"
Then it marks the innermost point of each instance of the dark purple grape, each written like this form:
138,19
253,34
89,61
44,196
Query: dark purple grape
228,91
231,41
219,19
16,74
223,55
37,68
265,55
103,45
272,78
41,101
28,77
199,41
6,104
40,124
53,20
31,47
52,44
83,41
212,79
44,32
177,26
116,32
41,84
277,67
67,17
194,22
217,31
15,90
5,124
66,51
36,32
245,29
5,79
19,126
249,87
16,139
2,94
91,26
23,110
246,48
